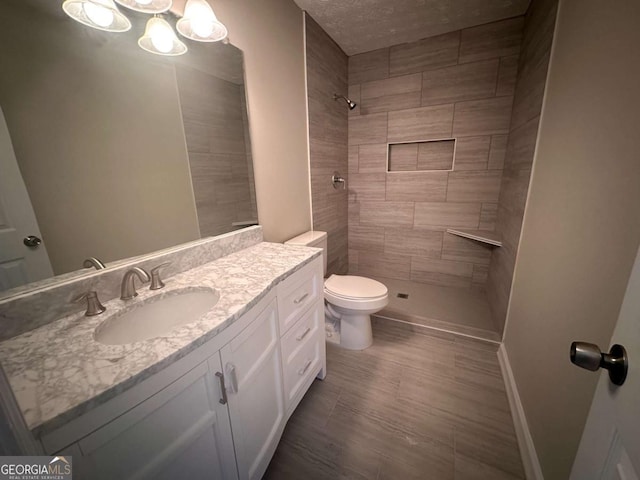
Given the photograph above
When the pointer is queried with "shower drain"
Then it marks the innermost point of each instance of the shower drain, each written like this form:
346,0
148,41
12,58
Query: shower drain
403,295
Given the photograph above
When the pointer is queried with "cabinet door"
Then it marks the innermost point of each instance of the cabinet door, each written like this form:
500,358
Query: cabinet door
183,431
255,393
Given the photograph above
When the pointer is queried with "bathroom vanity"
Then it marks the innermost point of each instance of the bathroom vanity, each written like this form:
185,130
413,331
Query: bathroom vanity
208,399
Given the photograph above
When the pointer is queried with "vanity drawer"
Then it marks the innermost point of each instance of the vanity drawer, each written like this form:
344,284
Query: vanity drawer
303,354
298,292
304,331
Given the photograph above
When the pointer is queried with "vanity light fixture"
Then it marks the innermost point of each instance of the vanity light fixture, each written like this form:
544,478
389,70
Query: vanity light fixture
100,14
159,38
147,6
200,23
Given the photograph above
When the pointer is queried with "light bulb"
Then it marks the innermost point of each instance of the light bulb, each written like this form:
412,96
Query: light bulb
202,27
159,38
200,23
98,14
201,17
162,40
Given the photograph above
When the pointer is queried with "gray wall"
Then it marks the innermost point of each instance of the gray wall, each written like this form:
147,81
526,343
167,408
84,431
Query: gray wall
460,85
270,33
326,75
581,230
527,105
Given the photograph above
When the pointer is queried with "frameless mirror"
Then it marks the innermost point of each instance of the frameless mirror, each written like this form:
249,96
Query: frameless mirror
121,152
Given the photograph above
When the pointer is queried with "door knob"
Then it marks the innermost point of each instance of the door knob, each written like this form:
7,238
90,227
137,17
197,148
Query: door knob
31,241
589,356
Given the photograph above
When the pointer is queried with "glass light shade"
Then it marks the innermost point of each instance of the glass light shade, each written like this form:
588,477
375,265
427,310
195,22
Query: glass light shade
200,23
100,14
159,38
147,6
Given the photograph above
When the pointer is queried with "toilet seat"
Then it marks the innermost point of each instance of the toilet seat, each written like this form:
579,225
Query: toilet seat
352,286
355,293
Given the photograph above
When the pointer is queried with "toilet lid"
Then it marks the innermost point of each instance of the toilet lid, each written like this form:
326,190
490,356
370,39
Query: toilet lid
351,286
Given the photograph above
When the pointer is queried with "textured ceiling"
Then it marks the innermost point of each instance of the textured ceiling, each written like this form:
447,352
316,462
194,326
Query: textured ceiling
364,25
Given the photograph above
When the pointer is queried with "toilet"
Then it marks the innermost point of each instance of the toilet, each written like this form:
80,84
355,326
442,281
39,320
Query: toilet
349,299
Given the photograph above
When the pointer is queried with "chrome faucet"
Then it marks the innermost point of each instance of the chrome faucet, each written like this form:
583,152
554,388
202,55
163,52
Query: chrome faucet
93,262
128,288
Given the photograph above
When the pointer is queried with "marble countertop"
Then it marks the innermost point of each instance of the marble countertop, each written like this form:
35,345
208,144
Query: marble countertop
58,371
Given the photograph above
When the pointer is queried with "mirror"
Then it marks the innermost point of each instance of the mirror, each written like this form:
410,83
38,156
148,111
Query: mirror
122,152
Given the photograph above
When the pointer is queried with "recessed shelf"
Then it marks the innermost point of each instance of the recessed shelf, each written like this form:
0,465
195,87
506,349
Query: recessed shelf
423,156
483,236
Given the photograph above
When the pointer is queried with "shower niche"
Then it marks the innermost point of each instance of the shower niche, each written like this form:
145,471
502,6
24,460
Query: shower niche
426,156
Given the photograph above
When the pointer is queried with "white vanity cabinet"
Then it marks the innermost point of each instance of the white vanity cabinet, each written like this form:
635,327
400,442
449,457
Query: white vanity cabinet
218,412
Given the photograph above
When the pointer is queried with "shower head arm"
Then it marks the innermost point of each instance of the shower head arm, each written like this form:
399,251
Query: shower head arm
350,103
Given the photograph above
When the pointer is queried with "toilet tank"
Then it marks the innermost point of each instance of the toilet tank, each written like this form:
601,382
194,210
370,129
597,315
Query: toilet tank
314,238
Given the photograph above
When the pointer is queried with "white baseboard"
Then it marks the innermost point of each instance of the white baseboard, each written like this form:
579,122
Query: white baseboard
530,461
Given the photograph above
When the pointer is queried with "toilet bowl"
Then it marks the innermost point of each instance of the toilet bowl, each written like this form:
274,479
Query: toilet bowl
350,299
354,299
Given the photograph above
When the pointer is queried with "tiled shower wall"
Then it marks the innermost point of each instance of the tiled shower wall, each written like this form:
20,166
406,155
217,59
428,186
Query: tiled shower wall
326,75
532,73
458,85
214,115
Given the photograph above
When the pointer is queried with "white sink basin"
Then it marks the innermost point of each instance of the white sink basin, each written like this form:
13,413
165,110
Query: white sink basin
156,316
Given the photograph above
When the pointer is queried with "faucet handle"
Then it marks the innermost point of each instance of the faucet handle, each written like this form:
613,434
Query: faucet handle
156,281
94,307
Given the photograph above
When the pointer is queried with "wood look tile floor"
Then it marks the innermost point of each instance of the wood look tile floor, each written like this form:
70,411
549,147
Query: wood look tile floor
417,404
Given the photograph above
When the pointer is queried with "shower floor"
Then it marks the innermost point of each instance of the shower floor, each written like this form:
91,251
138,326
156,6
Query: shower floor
454,310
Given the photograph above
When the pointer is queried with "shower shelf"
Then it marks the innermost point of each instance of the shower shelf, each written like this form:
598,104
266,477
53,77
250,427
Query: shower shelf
483,236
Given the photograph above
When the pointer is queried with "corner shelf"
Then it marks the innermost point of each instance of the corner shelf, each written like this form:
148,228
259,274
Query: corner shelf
482,236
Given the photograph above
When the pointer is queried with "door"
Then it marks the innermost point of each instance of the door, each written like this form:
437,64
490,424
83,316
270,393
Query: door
255,391
610,445
19,264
